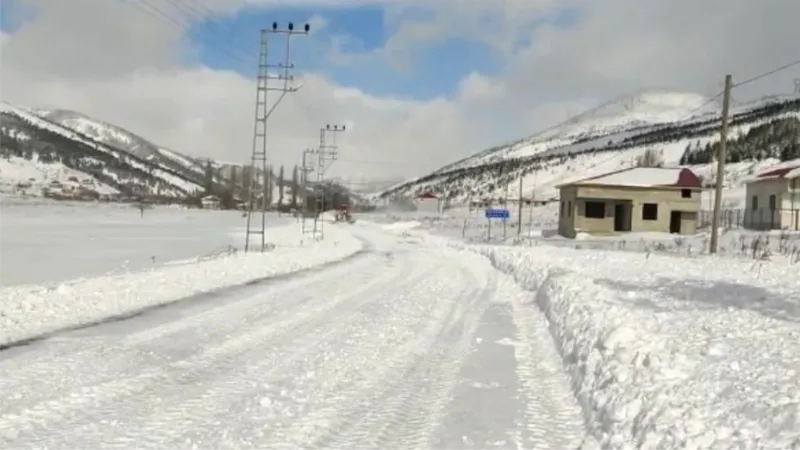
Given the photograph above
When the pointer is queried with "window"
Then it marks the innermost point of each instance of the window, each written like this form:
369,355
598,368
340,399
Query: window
595,210
569,208
772,203
562,208
754,203
650,211
686,193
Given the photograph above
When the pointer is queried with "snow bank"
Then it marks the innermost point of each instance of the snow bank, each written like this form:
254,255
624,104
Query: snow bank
402,226
27,311
669,352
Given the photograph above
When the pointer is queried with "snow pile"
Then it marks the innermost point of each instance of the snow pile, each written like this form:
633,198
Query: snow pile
401,226
27,311
671,352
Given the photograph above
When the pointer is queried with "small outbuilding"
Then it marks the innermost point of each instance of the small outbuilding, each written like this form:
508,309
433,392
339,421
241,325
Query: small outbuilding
631,200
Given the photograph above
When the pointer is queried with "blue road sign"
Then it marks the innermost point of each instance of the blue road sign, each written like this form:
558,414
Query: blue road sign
497,213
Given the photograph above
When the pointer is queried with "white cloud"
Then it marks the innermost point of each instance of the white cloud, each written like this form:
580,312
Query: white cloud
108,59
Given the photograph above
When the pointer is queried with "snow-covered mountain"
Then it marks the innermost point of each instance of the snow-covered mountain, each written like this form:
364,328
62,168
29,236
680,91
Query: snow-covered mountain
616,135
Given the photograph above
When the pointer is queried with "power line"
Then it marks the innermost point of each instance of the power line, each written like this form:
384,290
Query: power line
230,51
378,162
215,26
766,74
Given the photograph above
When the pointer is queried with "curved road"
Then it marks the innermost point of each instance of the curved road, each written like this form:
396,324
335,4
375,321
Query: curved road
405,346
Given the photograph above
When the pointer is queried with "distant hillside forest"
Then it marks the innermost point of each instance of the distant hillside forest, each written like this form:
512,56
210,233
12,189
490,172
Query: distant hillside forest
779,138
124,172
138,179
504,171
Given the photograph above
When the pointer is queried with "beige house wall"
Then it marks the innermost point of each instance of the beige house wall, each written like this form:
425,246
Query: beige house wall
567,212
759,215
572,217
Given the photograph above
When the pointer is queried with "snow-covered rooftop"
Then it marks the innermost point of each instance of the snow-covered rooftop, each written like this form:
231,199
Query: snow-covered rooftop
786,170
643,177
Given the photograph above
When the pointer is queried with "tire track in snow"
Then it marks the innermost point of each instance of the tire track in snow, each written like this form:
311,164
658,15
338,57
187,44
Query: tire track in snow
235,402
90,399
553,416
400,401
487,410
358,362
86,365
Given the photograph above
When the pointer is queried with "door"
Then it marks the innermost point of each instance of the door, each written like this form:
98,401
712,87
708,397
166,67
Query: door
622,217
675,222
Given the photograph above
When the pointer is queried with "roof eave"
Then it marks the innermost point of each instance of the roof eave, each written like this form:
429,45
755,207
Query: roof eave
616,186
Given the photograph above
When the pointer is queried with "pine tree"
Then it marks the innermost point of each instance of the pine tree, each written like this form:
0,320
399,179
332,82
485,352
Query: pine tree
268,186
295,186
247,183
209,178
280,186
232,181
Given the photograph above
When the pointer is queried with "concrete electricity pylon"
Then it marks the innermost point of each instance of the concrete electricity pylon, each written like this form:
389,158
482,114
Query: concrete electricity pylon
326,154
258,163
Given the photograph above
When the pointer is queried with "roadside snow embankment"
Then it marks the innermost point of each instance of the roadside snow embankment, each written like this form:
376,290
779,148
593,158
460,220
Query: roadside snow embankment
28,311
669,352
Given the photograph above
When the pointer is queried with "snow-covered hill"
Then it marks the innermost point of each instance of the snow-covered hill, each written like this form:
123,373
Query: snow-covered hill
613,136
365,184
46,147
118,137
56,149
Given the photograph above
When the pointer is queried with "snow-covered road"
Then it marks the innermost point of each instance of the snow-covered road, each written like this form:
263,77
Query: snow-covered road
404,346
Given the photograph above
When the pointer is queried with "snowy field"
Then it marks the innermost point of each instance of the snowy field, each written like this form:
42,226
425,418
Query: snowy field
32,310
540,223
43,241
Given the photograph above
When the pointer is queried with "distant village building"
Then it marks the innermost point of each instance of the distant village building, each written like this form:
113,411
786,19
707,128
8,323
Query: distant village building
773,199
428,202
71,189
638,199
210,202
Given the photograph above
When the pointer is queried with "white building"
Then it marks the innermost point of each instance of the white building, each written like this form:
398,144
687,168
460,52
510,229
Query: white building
210,202
428,202
773,199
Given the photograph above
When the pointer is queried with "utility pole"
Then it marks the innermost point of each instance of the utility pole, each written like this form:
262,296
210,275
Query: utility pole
326,155
258,160
519,209
721,157
533,199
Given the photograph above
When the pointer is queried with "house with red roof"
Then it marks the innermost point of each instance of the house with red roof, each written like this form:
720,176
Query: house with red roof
428,202
773,199
653,199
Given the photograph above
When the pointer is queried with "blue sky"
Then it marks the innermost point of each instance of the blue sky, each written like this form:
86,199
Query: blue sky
436,70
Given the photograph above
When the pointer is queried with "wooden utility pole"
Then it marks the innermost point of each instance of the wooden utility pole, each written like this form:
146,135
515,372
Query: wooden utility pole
519,209
721,157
